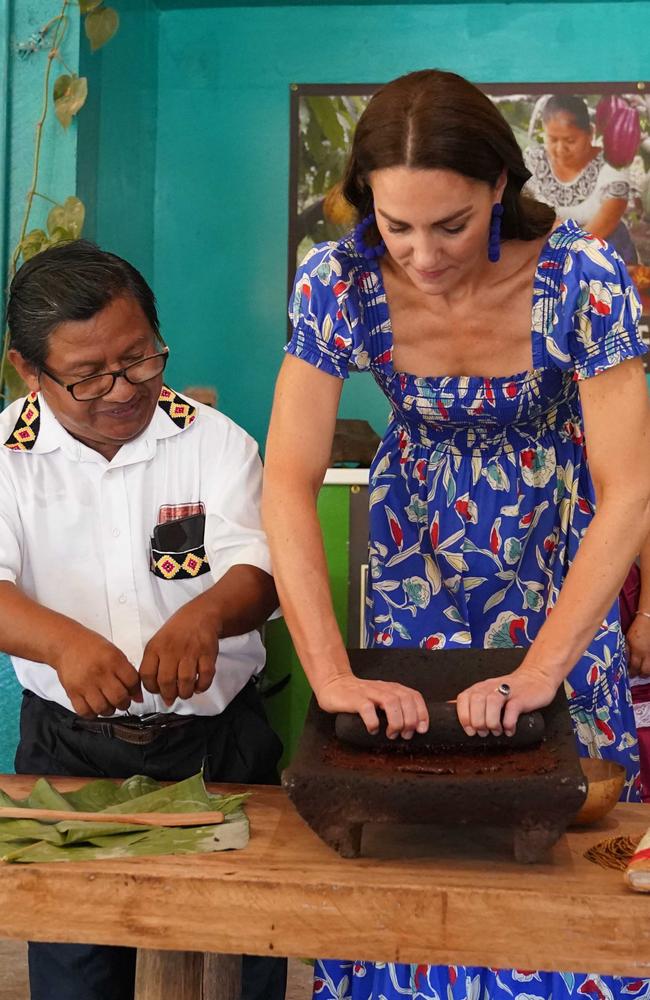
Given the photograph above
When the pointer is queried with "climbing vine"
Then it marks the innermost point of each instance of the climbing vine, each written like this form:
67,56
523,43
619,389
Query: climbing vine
65,93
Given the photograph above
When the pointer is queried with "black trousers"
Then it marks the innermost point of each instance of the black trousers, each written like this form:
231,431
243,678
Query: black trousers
236,746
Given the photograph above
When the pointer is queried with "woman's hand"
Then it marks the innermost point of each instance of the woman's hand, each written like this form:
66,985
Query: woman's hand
482,709
405,709
638,646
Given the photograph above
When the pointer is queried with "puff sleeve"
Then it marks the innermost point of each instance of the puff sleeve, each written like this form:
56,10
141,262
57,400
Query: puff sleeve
596,319
325,313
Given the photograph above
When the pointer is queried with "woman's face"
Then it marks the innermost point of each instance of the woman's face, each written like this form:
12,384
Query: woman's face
435,223
567,145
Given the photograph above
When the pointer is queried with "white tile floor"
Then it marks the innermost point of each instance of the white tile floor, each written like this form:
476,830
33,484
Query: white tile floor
13,977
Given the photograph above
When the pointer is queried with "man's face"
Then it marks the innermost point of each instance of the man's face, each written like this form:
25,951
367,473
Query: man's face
115,337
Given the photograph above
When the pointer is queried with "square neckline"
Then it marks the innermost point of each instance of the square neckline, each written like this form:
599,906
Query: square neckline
520,377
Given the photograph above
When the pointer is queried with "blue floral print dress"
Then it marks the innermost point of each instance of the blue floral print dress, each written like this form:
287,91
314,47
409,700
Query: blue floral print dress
479,497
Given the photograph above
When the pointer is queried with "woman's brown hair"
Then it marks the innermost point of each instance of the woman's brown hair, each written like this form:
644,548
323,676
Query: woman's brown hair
433,120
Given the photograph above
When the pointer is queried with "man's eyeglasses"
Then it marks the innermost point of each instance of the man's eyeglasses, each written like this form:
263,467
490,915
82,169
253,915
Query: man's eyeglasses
96,386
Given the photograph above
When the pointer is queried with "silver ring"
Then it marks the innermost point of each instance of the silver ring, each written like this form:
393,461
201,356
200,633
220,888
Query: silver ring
504,689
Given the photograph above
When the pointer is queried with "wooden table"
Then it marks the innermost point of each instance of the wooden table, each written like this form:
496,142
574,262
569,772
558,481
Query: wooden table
427,897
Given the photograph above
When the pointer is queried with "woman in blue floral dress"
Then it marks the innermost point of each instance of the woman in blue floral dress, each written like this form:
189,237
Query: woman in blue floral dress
480,492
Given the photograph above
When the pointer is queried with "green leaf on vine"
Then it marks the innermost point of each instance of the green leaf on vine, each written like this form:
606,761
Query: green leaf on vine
85,6
34,242
70,93
67,218
101,25
60,235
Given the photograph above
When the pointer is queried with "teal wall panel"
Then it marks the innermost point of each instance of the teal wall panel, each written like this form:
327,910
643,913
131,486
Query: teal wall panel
117,136
4,132
10,695
188,5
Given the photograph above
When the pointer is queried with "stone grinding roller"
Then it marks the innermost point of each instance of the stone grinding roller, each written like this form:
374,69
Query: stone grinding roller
445,733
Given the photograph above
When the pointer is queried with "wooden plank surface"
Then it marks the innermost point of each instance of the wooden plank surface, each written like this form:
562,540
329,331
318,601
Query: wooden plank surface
423,896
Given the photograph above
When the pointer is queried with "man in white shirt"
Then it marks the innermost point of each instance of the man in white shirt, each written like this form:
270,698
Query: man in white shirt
134,572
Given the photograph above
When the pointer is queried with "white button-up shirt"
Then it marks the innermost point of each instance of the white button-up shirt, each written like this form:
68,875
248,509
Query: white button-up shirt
75,532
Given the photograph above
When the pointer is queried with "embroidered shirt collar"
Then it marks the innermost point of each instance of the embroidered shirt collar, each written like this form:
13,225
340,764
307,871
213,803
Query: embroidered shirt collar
37,430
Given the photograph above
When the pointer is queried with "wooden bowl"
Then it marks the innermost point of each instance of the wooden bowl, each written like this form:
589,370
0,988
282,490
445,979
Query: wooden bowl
605,781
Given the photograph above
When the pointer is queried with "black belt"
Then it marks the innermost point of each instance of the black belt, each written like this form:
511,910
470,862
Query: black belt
134,729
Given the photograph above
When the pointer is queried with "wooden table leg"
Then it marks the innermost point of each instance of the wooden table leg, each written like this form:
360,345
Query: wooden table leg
163,975
222,977
187,975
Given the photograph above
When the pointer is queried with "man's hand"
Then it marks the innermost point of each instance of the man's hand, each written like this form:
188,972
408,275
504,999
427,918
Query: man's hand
96,675
179,660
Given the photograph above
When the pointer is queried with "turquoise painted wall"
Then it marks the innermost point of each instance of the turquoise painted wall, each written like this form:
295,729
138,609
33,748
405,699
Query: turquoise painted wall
4,128
222,159
116,176
10,695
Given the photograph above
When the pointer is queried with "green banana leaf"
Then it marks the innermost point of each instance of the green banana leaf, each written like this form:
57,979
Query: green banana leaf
26,840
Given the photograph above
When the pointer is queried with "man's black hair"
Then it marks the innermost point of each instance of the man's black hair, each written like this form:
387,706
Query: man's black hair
70,281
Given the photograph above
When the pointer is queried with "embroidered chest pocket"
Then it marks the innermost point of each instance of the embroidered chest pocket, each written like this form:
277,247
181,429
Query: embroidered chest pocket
178,549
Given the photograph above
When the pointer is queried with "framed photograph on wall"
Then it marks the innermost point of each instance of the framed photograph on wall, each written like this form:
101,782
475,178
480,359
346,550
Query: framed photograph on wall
587,146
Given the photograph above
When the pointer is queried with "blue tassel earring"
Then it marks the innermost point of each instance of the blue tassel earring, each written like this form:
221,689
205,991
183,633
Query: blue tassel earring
360,245
494,242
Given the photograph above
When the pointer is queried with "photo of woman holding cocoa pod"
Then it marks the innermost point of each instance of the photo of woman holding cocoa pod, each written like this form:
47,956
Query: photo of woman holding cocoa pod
580,179
587,147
